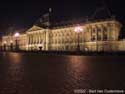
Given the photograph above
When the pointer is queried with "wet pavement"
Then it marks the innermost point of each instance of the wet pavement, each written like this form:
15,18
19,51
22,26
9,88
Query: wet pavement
32,73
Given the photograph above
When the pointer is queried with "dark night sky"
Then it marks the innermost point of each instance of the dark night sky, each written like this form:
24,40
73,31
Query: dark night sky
22,14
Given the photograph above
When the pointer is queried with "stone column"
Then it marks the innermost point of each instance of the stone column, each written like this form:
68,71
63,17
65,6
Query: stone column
47,39
115,33
28,39
39,37
36,39
96,33
101,28
109,32
32,39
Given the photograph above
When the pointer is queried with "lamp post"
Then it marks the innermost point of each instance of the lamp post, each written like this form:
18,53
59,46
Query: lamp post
16,35
78,29
11,45
4,45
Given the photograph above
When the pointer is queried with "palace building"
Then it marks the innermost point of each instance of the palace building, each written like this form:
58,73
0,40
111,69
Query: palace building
101,35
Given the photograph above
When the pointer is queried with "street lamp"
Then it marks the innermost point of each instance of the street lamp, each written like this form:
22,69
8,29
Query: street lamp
11,45
4,42
4,45
16,35
78,29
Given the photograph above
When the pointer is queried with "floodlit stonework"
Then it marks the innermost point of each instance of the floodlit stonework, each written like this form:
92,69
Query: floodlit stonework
9,42
95,36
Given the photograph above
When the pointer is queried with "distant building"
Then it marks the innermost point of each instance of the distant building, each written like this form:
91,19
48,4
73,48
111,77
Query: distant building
100,35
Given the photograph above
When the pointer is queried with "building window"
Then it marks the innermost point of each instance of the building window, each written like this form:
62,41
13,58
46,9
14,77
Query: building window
94,30
93,38
40,41
99,37
105,34
98,30
55,41
105,37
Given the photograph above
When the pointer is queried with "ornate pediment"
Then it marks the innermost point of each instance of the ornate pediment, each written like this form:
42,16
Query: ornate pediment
34,28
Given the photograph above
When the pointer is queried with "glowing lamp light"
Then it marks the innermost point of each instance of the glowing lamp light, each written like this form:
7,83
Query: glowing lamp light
78,29
11,41
16,34
4,42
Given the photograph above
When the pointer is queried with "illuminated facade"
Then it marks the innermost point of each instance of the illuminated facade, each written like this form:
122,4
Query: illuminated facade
9,42
95,36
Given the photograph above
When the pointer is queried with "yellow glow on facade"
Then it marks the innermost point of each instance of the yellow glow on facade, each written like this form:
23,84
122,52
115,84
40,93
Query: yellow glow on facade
99,35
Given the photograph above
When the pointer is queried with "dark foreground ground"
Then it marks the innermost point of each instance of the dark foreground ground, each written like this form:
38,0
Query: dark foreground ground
34,73
78,53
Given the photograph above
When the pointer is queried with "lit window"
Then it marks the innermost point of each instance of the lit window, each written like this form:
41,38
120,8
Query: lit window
93,38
